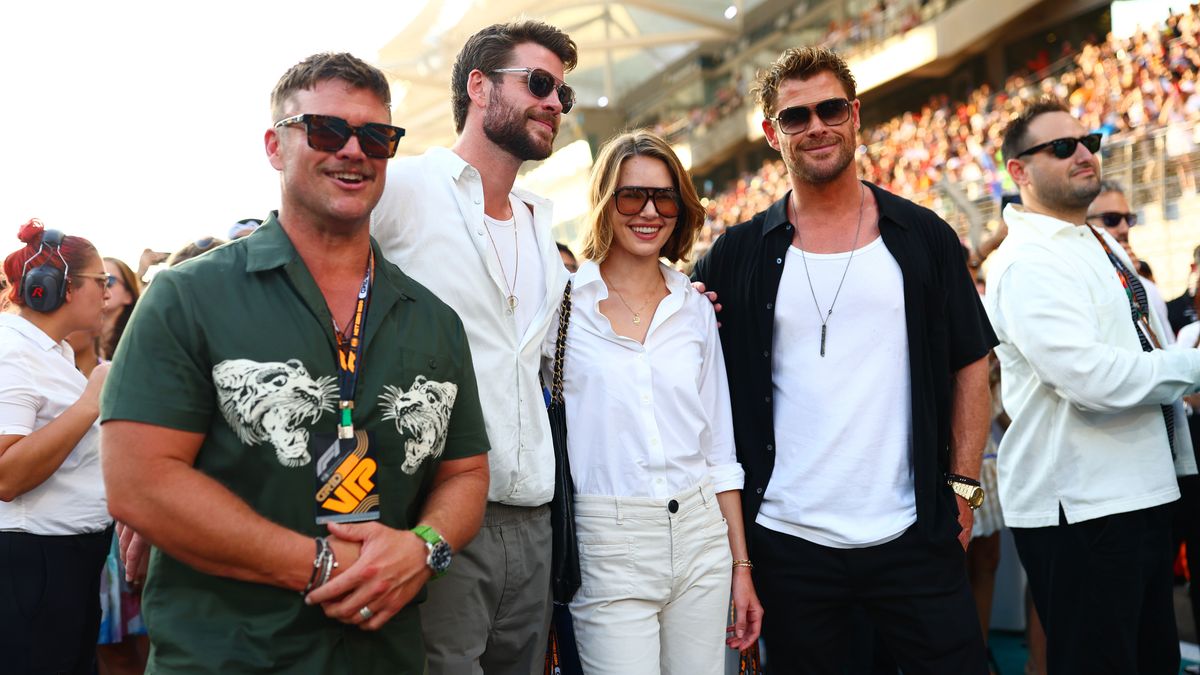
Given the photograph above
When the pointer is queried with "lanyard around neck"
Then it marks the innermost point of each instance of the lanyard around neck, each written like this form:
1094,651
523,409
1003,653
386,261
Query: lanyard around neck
1142,314
349,353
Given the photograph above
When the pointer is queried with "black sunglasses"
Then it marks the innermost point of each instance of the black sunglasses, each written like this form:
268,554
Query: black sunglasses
1114,218
630,200
541,83
1065,147
794,120
330,134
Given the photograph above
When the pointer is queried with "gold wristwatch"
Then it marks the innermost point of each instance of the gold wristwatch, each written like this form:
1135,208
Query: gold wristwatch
967,488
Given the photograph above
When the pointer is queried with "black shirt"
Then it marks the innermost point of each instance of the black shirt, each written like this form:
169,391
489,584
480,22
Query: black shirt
1181,311
946,324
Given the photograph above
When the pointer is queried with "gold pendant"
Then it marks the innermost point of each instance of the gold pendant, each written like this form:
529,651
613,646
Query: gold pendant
512,302
637,318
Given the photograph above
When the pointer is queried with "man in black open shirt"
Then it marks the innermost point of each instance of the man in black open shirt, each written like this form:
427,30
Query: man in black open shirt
856,348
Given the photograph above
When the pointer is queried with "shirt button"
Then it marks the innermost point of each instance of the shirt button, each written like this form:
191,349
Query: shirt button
766,352
645,398
770,305
673,506
479,232
767,398
654,440
770,447
779,261
658,480
759,491
478,201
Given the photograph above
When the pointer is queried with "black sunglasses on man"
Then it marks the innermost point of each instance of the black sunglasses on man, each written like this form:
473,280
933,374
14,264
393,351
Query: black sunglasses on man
541,84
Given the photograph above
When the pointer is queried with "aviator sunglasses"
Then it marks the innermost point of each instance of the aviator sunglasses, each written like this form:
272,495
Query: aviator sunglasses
330,134
831,112
630,200
1065,147
1114,218
541,83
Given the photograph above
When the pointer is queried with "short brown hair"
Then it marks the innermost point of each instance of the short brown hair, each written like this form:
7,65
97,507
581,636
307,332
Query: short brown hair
605,174
491,48
800,63
329,66
1016,134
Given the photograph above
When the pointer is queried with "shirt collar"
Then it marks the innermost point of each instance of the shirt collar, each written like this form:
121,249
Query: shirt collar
269,248
589,273
1037,223
31,332
458,169
887,203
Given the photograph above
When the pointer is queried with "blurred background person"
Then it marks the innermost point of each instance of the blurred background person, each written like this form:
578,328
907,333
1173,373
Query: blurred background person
124,290
658,497
194,249
568,257
54,524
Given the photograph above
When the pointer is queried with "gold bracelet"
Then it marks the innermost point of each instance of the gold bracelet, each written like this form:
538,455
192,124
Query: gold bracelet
743,563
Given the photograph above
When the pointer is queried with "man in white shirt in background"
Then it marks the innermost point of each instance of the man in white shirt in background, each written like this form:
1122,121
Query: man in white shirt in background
1088,467
452,220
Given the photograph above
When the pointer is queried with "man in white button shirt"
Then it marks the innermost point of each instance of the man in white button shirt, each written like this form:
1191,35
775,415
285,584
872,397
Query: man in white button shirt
452,220
1089,465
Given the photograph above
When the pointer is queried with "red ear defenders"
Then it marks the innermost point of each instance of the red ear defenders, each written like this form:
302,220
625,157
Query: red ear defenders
44,288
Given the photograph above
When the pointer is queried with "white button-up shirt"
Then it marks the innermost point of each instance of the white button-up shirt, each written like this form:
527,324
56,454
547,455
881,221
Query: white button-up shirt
646,420
430,223
38,381
1085,400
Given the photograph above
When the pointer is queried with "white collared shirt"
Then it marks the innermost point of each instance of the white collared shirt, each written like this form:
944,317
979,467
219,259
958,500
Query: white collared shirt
430,223
1085,400
646,420
38,381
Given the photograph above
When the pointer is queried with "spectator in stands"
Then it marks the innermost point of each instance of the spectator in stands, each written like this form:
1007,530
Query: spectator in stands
54,525
867,260
124,291
1182,310
1085,469
678,490
194,249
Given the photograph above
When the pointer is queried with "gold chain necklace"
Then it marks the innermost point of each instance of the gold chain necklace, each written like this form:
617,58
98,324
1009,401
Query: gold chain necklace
512,295
637,313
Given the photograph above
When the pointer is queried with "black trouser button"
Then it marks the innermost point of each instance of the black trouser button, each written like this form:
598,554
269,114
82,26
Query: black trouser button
672,506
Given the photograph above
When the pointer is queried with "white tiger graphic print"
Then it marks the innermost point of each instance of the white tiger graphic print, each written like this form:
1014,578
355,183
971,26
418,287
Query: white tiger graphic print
423,413
269,402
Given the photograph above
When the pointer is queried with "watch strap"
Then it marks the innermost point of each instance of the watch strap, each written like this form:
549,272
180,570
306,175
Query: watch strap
429,534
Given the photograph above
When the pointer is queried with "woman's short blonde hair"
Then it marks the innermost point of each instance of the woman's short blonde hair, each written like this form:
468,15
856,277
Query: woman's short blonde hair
607,171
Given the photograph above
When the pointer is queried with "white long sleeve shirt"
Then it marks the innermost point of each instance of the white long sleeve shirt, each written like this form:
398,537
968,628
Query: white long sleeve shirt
430,224
646,420
1085,400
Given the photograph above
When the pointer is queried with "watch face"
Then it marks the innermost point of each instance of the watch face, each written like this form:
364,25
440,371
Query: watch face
976,498
439,556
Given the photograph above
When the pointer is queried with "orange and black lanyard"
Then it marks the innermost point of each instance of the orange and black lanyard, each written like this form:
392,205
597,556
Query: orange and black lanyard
349,351
1141,312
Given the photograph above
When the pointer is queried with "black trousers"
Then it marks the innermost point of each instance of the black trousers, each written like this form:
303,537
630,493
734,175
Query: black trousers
913,591
50,602
1103,589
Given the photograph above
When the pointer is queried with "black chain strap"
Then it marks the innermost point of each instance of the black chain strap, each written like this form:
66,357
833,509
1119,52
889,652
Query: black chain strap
560,347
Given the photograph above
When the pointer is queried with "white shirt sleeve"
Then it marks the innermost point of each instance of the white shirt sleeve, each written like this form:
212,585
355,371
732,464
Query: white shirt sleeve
19,399
1048,317
719,449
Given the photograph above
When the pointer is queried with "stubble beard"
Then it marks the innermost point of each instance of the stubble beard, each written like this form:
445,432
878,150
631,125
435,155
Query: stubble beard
1067,195
812,174
504,125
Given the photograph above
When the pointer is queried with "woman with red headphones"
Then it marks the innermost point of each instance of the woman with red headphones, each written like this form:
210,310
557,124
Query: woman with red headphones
54,523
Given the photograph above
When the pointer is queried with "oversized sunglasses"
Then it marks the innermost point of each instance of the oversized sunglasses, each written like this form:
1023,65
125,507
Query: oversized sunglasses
330,134
541,83
1114,218
105,280
1065,147
630,200
795,120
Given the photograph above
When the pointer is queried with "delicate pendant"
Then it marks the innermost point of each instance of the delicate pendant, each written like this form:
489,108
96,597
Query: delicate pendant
637,319
823,330
512,302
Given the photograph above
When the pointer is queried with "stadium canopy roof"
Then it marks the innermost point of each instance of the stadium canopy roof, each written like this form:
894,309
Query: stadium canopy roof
622,43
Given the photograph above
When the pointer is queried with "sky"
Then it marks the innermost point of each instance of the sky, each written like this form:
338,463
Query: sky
140,124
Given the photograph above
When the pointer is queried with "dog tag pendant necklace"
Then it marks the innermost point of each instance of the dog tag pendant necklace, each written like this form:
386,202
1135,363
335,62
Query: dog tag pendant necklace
511,298
862,195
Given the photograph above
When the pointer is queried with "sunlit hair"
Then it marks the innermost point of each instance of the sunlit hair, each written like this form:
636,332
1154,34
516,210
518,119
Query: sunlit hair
328,66
125,277
77,251
194,249
1016,134
606,172
800,63
492,47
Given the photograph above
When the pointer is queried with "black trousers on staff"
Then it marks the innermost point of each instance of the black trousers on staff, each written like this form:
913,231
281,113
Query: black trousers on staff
913,590
1103,589
50,602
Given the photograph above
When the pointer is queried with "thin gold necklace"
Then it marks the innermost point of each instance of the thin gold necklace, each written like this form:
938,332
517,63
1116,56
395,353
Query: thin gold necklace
637,313
512,295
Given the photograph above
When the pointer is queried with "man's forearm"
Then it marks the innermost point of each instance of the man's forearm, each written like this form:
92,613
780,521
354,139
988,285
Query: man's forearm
457,500
970,418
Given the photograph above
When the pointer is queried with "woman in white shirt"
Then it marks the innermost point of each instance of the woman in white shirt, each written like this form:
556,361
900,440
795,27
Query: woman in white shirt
54,522
657,483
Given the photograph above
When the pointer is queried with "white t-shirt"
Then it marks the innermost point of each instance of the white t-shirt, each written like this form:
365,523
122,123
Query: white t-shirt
843,473
38,381
525,267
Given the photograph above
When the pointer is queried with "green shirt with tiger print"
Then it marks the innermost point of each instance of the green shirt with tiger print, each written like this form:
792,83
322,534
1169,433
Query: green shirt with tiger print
238,345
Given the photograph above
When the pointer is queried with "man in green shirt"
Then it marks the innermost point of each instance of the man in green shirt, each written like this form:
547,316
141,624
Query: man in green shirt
292,375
